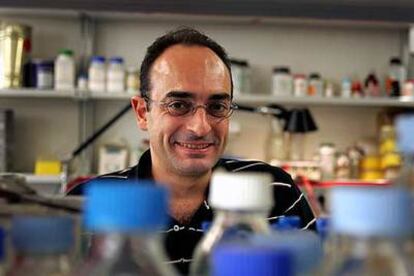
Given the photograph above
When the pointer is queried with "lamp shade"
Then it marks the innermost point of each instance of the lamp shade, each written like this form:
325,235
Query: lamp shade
300,120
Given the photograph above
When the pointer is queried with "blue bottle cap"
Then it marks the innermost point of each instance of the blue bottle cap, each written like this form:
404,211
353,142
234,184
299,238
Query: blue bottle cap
117,60
205,225
287,223
98,59
247,260
305,246
114,205
322,226
371,212
405,130
2,244
42,234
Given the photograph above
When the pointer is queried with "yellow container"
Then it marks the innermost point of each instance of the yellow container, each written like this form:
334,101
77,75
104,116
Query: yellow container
47,167
387,146
372,175
391,160
371,163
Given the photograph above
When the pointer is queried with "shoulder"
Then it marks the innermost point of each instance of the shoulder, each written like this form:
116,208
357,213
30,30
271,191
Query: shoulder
78,188
240,165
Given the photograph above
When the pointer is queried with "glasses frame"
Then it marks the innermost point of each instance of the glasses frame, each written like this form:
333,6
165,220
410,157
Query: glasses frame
193,109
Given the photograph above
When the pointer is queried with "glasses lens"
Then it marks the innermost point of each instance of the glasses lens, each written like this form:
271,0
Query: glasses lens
219,109
179,108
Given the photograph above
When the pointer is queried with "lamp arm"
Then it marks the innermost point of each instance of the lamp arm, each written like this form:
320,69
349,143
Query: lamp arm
275,110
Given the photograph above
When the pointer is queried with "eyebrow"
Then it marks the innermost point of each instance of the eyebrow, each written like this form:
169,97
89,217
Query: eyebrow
191,95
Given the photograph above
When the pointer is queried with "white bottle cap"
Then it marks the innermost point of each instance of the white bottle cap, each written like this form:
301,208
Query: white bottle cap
241,191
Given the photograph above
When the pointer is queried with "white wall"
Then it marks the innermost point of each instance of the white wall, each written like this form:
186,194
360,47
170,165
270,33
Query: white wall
332,51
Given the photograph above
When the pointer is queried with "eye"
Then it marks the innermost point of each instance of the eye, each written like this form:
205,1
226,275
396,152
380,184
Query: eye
218,109
177,108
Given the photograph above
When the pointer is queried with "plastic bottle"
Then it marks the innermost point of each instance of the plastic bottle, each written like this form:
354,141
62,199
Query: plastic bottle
42,245
405,180
370,229
115,80
241,202
97,72
282,81
124,218
65,70
305,248
397,75
315,87
248,260
405,141
323,227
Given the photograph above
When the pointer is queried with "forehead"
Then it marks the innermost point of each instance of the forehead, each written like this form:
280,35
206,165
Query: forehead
188,68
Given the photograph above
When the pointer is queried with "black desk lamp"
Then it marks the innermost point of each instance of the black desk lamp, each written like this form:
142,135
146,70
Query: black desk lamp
298,122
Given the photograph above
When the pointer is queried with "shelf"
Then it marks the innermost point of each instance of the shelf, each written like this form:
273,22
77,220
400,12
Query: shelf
110,96
52,94
35,93
33,179
258,100
365,11
254,100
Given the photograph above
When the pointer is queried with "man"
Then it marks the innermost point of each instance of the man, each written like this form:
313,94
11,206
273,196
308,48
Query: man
185,105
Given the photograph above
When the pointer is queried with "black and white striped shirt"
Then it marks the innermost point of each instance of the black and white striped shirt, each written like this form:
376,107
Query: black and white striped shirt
181,239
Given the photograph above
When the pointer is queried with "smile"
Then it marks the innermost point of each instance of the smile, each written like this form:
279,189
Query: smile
194,146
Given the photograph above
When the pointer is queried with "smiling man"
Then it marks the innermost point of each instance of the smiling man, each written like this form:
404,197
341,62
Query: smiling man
185,105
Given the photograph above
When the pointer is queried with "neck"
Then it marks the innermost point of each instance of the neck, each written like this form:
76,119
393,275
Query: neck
182,186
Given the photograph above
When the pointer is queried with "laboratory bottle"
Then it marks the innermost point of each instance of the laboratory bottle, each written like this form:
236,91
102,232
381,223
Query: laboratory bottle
241,202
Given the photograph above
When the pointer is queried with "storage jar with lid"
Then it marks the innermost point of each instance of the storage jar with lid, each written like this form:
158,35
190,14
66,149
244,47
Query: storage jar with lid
43,71
300,85
116,75
282,81
315,87
65,70
97,74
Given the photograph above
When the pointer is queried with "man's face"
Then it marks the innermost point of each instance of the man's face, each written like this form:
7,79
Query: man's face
190,144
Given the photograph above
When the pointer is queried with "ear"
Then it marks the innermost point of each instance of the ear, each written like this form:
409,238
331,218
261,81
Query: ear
140,109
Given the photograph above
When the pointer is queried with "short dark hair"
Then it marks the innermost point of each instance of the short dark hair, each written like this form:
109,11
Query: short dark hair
182,35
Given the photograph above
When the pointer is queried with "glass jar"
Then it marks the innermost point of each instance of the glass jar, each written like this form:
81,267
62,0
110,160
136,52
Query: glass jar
132,80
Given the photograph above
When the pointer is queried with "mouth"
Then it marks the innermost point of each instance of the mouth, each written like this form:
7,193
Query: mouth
194,146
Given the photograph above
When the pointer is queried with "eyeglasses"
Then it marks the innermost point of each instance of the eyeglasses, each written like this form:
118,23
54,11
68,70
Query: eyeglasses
218,108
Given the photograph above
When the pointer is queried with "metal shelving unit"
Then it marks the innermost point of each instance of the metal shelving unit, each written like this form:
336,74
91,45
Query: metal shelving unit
36,93
254,100
321,101
54,94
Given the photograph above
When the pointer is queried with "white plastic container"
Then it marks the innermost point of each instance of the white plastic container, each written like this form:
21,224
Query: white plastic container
65,70
97,72
115,79
282,82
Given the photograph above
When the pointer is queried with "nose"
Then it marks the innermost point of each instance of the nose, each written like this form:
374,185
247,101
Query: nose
199,123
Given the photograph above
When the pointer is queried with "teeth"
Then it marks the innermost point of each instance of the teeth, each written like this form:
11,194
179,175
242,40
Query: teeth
194,146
